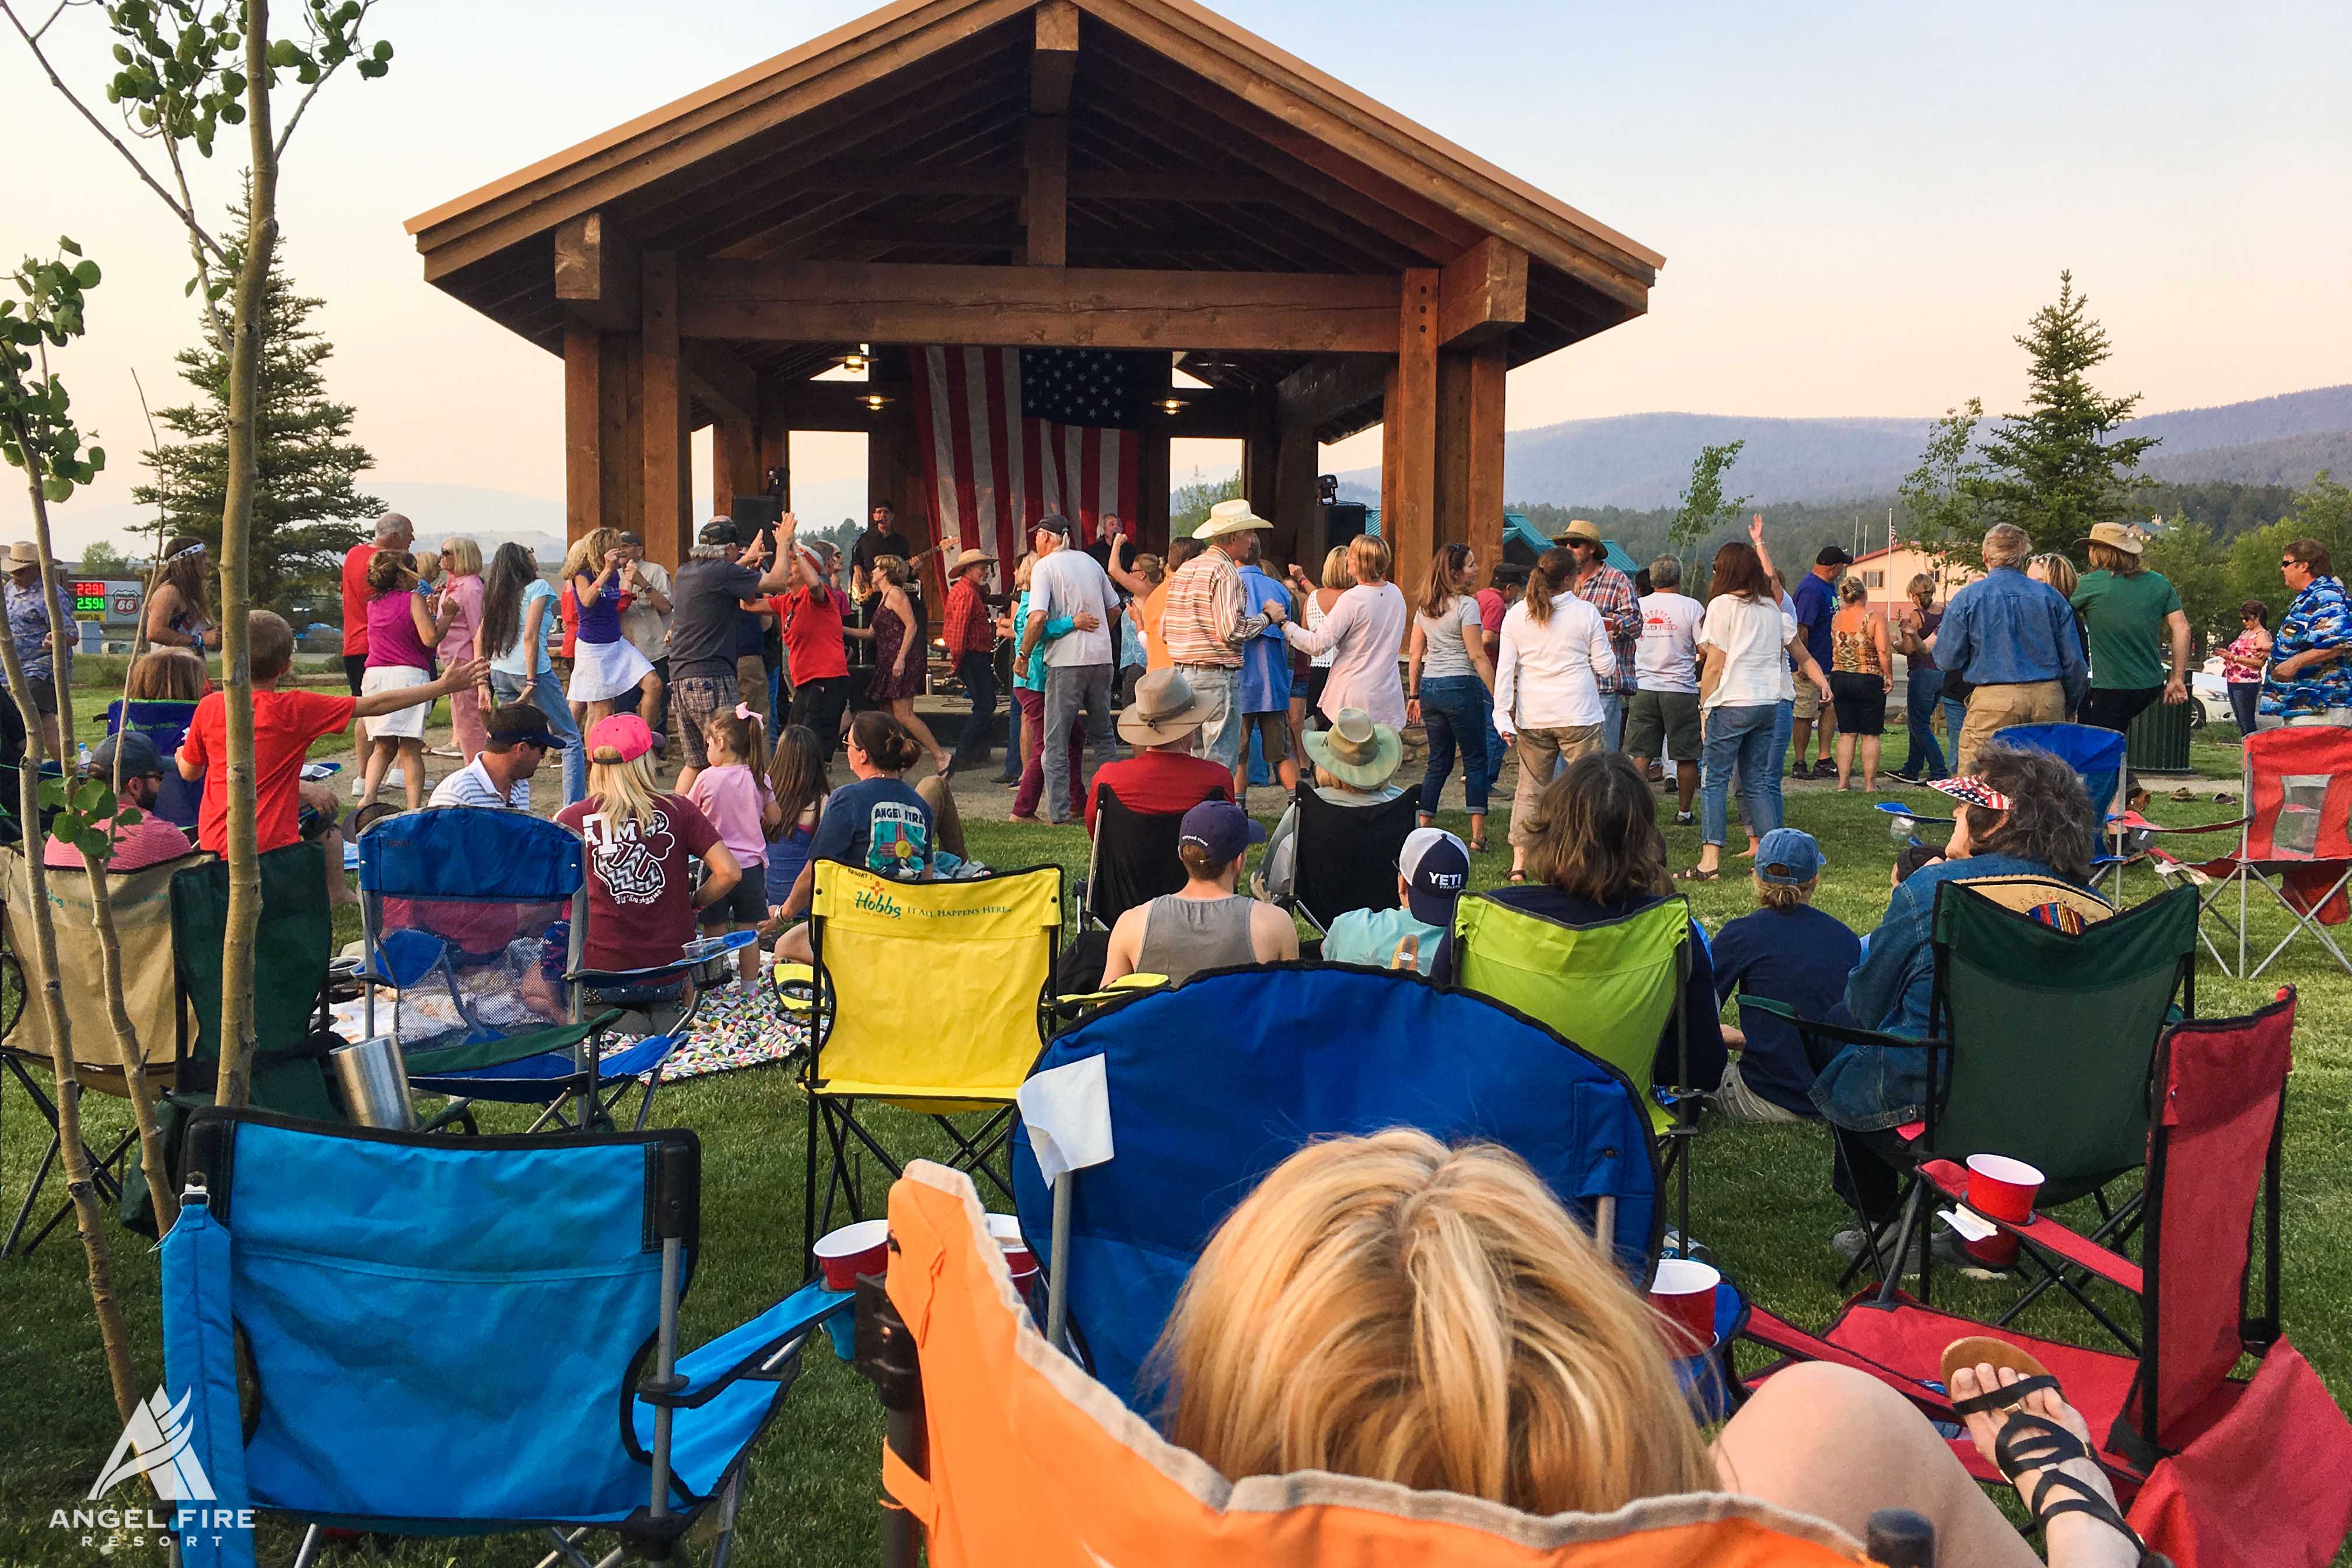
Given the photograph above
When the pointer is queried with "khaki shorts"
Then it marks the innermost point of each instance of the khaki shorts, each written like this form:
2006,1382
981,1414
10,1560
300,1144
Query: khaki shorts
1809,701
1667,720
1273,735
1992,709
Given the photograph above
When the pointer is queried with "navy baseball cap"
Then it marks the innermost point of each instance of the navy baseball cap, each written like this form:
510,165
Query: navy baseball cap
1436,867
1051,522
137,750
1220,827
1789,858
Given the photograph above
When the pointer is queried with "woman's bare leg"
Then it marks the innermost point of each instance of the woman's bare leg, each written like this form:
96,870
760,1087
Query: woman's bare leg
1868,746
1844,744
794,946
379,761
412,772
902,709
1839,1445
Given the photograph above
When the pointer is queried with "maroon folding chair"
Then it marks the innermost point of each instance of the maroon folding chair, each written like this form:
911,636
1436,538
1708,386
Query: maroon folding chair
2216,1470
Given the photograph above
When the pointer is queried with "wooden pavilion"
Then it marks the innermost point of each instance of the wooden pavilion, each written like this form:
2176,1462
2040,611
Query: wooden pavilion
1113,173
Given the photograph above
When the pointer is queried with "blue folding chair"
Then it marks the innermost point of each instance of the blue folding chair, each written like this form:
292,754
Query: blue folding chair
449,1336
2096,756
1213,1084
166,724
445,894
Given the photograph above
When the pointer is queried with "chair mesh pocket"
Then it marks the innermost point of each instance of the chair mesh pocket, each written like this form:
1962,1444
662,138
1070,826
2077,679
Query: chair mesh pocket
2305,798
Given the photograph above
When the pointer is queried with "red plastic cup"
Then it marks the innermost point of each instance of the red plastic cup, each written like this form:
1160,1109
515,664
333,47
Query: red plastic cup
1683,1293
2003,1189
1004,1229
862,1248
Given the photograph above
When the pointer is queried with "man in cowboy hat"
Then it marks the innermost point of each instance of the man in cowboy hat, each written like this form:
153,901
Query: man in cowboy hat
1611,592
971,635
42,632
1207,619
1355,764
1163,776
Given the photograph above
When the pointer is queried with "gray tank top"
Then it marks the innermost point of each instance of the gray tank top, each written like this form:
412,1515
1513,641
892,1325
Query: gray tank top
1183,936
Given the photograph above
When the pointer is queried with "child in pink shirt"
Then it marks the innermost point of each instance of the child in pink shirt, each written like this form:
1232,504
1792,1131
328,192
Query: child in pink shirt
732,793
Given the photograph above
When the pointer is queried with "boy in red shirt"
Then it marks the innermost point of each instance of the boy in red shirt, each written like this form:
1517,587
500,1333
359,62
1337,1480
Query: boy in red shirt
284,725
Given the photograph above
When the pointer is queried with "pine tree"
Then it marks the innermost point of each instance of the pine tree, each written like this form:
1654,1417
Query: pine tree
305,501
2049,469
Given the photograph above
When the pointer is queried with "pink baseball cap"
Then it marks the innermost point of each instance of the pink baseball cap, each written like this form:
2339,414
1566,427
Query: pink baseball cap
623,738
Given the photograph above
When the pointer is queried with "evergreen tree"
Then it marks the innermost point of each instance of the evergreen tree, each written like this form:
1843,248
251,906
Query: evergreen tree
2049,469
305,501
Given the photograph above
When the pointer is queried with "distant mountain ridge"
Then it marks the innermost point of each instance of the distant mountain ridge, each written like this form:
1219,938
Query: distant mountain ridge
1643,460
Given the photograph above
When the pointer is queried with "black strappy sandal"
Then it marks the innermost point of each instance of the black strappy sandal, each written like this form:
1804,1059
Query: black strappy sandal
2027,1442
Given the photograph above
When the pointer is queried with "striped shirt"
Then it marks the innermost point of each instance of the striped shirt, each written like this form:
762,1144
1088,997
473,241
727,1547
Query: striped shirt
1204,617
471,785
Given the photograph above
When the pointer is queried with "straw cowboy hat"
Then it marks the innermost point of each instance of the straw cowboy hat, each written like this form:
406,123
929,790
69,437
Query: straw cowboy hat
1166,710
1579,528
2121,536
971,558
22,554
1356,750
1230,517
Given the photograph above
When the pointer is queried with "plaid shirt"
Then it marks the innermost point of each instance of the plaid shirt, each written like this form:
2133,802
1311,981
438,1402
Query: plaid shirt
1611,592
1204,617
969,628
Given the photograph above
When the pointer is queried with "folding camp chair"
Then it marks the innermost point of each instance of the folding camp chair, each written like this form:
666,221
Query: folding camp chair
1132,860
2040,1038
1001,1450
1615,989
445,895
293,946
1346,855
166,724
439,1333
2227,1472
2295,841
2097,757
933,997
142,904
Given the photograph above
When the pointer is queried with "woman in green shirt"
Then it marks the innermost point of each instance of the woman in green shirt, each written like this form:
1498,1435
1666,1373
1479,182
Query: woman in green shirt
2128,612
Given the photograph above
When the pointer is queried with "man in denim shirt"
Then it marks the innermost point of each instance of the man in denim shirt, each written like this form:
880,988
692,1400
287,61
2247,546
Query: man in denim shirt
2012,641
2024,814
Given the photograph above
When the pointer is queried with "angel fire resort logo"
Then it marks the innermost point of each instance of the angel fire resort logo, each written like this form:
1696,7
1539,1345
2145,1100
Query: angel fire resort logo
157,1443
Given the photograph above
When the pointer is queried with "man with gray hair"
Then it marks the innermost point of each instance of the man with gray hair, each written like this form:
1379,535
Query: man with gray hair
707,604
1661,717
2012,643
393,532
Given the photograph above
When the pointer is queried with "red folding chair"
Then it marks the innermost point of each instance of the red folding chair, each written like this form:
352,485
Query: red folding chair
2217,1471
2295,841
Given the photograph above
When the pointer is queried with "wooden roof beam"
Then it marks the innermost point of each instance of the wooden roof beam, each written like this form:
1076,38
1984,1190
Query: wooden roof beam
721,381
596,272
1317,394
1483,294
1293,312
1046,207
1053,61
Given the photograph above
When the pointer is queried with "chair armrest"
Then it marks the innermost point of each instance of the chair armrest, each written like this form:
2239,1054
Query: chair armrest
2041,1232
2139,823
1846,1033
749,1349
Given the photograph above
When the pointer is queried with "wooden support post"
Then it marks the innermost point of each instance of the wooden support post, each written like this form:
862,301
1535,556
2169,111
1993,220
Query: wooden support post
583,408
1259,449
734,462
1054,60
775,448
1470,451
666,529
1046,206
1409,432
1151,462
620,447
1295,510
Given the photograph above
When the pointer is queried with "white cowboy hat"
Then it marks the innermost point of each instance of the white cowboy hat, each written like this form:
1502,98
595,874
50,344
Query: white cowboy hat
1166,710
1356,750
1230,517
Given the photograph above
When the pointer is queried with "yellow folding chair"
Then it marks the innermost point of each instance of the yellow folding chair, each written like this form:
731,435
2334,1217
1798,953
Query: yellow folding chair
934,997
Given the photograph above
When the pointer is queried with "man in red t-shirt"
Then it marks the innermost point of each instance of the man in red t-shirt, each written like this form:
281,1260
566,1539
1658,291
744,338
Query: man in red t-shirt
818,661
393,532
1163,776
284,725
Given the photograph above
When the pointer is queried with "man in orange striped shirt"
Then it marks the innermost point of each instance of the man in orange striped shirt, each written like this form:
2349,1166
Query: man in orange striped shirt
1204,620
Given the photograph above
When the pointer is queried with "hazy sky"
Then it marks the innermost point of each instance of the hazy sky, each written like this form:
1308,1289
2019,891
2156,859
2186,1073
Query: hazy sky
1859,204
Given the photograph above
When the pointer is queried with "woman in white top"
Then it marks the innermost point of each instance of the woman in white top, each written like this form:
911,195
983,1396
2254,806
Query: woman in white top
1747,639
1547,687
1449,684
1364,634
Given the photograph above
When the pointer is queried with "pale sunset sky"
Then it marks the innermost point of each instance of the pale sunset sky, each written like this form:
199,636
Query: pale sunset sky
1860,204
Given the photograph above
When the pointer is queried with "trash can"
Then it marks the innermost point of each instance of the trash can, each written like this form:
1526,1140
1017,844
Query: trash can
2158,742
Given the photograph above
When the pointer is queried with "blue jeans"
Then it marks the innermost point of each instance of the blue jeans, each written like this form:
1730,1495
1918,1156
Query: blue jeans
1956,714
546,696
1742,737
2245,703
1457,710
1919,697
1613,720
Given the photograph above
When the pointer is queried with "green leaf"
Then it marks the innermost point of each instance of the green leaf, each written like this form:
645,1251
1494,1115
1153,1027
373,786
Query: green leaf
56,491
66,243
383,49
282,53
86,275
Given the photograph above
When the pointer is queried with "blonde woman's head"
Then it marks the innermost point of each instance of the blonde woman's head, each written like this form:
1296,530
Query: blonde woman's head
1335,568
1369,558
1390,1308
2055,570
462,555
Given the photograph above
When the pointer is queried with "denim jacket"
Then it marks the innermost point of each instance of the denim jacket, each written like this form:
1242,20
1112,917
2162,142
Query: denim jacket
2005,628
1868,1088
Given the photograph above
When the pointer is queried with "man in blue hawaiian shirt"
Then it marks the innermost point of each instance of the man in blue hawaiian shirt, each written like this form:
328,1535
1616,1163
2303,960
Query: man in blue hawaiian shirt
42,633
2309,681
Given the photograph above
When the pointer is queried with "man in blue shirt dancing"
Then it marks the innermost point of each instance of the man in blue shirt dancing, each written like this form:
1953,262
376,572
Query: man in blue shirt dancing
2013,642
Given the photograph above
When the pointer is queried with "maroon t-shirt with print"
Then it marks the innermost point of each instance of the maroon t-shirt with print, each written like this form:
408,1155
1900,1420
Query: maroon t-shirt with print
640,880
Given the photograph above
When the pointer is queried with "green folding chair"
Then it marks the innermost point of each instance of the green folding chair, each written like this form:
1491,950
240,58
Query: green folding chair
2042,1034
1611,989
292,947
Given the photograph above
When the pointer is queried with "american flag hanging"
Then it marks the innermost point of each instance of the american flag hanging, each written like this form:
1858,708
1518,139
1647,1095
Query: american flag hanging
1013,434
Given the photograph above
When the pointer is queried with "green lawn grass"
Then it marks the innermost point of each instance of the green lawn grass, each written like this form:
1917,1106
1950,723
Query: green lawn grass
1761,1198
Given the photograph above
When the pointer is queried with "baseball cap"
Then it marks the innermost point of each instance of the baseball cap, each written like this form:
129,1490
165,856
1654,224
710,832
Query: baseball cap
1436,867
718,530
522,722
1053,523
1832,555
136,748
1220,827
623,738
1789,858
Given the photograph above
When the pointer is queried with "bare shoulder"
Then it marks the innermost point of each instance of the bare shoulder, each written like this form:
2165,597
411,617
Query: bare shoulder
1273,933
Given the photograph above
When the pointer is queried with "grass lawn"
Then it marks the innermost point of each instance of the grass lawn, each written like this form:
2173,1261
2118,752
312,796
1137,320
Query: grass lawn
1762,1204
